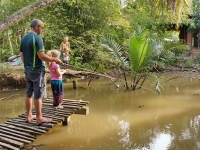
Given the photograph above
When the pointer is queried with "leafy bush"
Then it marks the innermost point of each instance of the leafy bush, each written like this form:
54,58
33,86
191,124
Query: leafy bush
5,69
173,61
197,60
4,54
188,63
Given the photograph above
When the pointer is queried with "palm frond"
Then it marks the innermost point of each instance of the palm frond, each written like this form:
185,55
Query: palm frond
139,49
115,51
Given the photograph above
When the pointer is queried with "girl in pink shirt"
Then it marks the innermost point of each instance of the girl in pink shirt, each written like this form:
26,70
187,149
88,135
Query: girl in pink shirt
56,79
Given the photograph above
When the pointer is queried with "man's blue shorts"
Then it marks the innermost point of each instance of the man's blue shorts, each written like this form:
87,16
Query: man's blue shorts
35,84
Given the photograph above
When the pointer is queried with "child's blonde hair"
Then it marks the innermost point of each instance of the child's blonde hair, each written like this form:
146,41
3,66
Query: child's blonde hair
52,53
65,39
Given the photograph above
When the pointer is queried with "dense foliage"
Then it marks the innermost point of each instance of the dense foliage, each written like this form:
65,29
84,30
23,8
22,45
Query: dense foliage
83,21
91,24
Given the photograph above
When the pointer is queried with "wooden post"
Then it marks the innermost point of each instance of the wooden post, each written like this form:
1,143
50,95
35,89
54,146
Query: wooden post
66,120
93,71
74,84
83,111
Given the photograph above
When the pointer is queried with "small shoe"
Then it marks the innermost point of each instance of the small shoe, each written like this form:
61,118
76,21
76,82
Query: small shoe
59,107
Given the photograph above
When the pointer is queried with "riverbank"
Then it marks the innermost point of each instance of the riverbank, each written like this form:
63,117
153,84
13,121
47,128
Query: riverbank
12,77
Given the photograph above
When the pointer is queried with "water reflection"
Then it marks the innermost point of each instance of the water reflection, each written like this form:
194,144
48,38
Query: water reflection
117,122
123,131
161,141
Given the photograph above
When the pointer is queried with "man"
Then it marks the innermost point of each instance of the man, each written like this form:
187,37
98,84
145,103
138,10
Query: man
33,56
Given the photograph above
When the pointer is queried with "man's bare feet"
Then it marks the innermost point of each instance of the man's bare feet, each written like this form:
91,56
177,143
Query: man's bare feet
28,120
43,120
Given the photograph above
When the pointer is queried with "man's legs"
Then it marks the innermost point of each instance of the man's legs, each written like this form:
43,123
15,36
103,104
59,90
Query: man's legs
35,83
38,109
28,103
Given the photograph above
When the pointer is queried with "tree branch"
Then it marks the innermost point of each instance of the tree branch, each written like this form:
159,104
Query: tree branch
16,16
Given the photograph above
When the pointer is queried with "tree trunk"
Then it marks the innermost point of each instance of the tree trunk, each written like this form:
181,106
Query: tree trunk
16,16
10,43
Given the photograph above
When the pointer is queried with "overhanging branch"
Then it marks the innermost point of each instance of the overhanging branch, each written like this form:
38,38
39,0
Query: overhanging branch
16,16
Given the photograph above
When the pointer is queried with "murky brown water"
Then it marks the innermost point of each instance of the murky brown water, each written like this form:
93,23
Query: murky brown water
116,122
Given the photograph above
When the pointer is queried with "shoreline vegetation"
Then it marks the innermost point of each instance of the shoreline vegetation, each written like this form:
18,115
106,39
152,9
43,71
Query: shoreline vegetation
13,78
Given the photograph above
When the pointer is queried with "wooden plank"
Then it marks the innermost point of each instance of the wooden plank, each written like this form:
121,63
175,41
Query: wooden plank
53,116
12,142
62,115
67,106
49,111
25,126
74,102
68,102
15,138
8,146
17,135
47,125
66,110
21,129
56,118
83,111
17,132
51,98
19,120
58,110
51,124
51,107
58,114
75,105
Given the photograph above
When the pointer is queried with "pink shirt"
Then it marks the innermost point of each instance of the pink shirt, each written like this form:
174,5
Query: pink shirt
52,69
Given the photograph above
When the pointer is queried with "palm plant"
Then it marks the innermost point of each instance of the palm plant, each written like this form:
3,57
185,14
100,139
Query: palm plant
115,51
140,50
177,7
134,57
143,54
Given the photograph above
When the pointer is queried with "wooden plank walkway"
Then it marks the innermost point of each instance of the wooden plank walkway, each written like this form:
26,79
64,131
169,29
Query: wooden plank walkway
15,133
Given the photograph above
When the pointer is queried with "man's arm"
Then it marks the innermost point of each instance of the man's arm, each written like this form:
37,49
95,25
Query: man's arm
44,57
22,56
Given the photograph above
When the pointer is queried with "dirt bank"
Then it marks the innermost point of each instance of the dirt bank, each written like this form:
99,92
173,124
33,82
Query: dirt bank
12,77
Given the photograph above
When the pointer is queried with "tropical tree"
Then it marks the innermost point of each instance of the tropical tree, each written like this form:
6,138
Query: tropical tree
179,9
83,21
140,49
194,25
119,56
135,58
144,53
157,15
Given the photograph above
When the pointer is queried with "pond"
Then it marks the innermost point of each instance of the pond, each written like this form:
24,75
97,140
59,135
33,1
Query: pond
120,119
